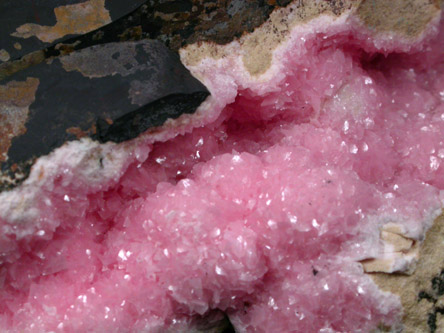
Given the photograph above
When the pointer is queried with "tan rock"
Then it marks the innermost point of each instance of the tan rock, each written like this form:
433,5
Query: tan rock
416,291
406,19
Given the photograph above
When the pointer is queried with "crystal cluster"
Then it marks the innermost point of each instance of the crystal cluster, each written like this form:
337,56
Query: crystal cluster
263,213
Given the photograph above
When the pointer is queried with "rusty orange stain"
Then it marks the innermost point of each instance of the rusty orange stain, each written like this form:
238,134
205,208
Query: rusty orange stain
71,19
15,99
19,93
41,173
79,133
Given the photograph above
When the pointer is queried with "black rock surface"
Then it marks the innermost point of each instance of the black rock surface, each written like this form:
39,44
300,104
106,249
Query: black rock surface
111,83
110,92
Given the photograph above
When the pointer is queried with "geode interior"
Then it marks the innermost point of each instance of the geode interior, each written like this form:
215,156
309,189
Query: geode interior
268,204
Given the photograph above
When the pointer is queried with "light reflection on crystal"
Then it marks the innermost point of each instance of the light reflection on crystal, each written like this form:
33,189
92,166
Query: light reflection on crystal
269,205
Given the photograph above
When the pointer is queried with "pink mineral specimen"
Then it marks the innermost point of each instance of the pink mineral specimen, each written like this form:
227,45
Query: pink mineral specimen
262,208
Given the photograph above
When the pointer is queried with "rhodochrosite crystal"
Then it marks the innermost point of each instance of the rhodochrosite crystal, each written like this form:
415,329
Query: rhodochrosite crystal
261,206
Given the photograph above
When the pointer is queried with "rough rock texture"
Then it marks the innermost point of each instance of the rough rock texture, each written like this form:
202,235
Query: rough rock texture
15,99
176,23
265,205
422,292
27,28
110,92
109,53
388,19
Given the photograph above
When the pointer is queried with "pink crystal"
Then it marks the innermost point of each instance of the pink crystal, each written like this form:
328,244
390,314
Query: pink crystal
264,213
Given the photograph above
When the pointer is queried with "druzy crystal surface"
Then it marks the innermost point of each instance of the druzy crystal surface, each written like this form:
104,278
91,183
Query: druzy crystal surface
264,212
